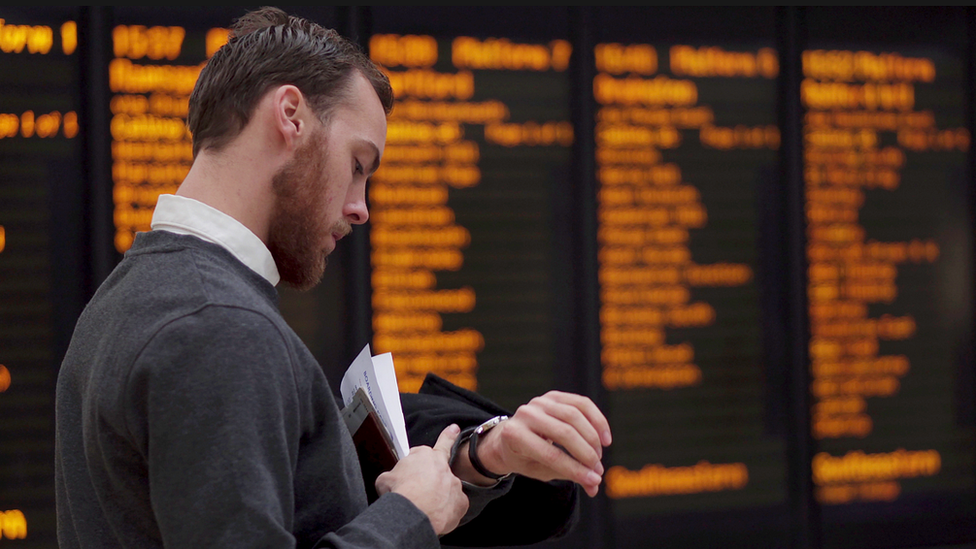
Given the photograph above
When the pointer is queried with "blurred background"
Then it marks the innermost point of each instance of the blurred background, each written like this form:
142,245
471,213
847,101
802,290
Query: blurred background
746,233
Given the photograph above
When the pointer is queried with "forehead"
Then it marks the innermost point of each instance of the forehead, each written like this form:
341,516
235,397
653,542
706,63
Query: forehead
360,116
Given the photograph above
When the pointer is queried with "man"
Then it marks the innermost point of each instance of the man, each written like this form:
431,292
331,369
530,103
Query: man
190,415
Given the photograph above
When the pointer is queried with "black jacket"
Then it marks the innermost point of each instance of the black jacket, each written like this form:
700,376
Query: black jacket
532,511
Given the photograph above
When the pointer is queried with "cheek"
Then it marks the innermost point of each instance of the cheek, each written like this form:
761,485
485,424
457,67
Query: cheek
335,199
331,205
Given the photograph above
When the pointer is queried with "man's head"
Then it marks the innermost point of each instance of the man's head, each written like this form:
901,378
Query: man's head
320,192
325,101
268,48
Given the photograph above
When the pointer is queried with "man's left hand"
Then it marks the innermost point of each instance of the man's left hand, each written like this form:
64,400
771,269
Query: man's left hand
555,436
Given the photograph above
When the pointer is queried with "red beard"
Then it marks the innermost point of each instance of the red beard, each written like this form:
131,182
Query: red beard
295,235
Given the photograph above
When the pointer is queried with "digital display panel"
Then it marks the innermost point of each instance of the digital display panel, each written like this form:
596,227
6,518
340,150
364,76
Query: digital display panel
38,159
461,209
687,139
889,249
678,164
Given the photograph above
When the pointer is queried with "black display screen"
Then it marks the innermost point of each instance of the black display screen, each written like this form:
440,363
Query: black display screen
39,165
462,221
686,143
886,168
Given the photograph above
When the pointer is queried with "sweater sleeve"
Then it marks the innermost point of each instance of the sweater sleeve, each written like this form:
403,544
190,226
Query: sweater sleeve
215,409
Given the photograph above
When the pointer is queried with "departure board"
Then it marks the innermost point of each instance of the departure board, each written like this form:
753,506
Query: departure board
38,156
686,137
679,158
461,215
890,254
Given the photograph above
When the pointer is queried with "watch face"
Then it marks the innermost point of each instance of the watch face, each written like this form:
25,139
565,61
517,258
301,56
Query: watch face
490,423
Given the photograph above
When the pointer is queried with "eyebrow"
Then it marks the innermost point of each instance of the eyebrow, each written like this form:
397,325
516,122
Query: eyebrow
376,155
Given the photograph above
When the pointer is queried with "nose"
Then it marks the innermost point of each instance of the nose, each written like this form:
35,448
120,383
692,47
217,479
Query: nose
355,210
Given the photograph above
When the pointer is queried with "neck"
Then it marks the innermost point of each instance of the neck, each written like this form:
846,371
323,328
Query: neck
234,182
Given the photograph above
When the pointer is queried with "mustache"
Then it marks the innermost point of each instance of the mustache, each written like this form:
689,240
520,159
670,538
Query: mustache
342,228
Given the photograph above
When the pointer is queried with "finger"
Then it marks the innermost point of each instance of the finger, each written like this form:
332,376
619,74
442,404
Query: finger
574,417
591,489
543,425
590,410
586,406
382,483
548,462
447,437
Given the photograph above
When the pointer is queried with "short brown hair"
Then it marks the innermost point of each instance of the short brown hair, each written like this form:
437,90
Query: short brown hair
267,48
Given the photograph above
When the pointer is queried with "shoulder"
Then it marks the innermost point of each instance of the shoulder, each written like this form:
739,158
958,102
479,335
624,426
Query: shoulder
217,341
173,288
188,266
167,280
210,366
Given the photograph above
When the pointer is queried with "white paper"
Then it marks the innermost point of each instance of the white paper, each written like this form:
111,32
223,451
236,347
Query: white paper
377,376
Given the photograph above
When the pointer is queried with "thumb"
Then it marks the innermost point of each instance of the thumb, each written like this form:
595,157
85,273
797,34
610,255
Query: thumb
447,438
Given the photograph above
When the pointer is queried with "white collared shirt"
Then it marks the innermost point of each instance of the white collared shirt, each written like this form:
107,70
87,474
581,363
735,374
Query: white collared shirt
182,215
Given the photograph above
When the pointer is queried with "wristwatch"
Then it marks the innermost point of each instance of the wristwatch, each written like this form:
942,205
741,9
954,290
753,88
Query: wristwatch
473,448
471,435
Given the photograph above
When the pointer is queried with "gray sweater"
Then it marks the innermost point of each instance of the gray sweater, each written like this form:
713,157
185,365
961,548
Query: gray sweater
190,415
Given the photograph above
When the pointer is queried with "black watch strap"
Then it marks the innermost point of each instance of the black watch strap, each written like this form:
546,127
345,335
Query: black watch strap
463,436
473,448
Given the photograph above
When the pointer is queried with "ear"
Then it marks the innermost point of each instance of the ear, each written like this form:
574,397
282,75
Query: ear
288,105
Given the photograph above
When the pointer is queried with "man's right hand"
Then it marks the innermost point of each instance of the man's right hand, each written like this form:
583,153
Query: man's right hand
425,478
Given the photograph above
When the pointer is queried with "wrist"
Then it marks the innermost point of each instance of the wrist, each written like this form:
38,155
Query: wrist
492,470
483,450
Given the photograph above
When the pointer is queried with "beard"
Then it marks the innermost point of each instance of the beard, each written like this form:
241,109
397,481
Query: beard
295,237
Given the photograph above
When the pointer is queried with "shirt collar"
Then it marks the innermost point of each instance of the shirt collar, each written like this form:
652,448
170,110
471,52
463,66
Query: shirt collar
182,215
